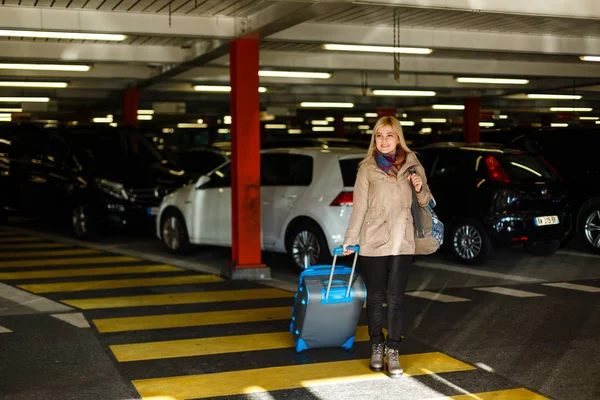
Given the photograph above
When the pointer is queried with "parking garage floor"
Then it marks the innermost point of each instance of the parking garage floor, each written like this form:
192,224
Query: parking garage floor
121,319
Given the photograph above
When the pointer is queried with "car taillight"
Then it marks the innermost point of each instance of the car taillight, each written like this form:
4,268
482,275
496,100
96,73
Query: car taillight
551,168
343,199
495,170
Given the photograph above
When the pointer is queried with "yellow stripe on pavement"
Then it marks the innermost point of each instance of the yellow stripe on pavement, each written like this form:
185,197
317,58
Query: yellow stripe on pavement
67,261
510,394
51,253
177,298
117,283
20,239
67,273
32,246
289,377
191,319
213,345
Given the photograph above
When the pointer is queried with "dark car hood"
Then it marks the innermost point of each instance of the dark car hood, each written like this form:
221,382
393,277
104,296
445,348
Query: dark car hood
140,176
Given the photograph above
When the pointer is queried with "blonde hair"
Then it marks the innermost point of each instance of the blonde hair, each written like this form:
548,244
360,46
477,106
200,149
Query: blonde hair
382,123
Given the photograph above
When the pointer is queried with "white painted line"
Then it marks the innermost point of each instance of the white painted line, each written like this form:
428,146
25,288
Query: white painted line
75,319
4,330
37,303
509,292
573,286
478,272
444,298
577,254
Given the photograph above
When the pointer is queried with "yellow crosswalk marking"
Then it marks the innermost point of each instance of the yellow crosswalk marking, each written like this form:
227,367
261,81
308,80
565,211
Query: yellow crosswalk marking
66,273
289,377
191,319
32,246
67,261
51,253
213,345
510,394
117,283
176,298
16,239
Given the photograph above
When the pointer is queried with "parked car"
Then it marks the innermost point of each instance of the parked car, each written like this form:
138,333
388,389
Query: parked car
306,197
489,195
88,176
572,151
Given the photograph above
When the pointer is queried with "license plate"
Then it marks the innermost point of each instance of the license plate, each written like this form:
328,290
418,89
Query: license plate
152,210
550,220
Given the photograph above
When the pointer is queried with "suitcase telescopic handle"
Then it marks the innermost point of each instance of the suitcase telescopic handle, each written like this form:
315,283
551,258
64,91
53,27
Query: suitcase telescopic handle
337,251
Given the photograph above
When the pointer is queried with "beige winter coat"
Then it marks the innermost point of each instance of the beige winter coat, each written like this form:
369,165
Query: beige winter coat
381,221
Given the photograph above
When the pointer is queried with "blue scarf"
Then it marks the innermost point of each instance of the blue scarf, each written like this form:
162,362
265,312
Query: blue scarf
390,162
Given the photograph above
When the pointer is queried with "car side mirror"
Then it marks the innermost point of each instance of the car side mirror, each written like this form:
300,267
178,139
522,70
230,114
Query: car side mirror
203,180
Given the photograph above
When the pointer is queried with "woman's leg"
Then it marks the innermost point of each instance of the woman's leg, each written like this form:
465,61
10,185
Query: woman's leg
374,271
399,271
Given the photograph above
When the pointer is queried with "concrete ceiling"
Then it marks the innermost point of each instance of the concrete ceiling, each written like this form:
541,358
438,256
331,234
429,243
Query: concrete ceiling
171,45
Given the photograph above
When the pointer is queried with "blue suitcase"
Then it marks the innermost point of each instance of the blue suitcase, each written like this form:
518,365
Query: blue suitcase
327,305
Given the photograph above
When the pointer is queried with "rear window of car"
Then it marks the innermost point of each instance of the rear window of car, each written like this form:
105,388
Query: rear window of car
349,167
527,168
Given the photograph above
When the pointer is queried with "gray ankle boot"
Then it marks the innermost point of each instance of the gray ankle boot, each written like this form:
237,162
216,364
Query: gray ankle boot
393,363
377,357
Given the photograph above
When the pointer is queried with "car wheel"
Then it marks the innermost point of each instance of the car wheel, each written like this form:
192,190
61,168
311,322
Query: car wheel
174,233
589,225
306,245
82,223
469,242
546,248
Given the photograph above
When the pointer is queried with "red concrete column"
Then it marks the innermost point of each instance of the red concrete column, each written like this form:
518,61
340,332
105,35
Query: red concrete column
338,125
546,120
245,162
471,120
130,106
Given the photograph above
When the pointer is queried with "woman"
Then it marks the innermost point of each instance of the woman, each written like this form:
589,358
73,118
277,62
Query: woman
382,220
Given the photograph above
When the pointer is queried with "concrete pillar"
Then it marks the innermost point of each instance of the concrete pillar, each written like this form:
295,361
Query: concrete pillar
471,120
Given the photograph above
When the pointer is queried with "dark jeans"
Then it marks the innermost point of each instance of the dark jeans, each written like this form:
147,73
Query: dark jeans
386,278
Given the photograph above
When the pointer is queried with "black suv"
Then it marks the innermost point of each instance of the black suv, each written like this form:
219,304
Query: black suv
572,151
490,195
89,176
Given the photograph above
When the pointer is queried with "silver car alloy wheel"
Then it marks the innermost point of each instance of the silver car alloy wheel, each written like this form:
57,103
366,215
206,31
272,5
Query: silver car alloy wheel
592,228
467,242
79,220
172,233
306,249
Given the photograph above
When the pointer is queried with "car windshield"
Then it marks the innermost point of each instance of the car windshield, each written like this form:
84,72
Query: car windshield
527,168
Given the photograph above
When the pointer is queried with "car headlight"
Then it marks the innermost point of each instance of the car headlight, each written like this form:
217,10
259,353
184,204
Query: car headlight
114,189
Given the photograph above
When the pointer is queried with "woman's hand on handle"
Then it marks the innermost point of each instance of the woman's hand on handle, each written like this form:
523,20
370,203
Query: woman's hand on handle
346,250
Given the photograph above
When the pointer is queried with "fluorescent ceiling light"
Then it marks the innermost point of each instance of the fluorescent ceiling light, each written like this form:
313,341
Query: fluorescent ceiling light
227,120
407,123
186,125
275,126
406,93
434,120
354,119
363,127
146,112
559,125
581,118
316,104
323,128
223,131
113,124
53,85
371,115
220,89
46,67
597,122
24,99
493,81
448,107
5,119
554,96
502,116
102,120
486,124
590,58
2,115
295,74
11,110
319,122
144,117
200,121
377,49
329,119
63,35
571,109
425,131
294,131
